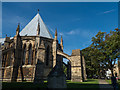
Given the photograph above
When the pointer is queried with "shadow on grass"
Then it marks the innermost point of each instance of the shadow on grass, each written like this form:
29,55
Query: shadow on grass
89,84
23,85
90,80
77,85
37,86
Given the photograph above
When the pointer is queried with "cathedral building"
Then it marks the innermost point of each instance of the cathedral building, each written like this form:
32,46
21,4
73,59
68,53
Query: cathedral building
32,53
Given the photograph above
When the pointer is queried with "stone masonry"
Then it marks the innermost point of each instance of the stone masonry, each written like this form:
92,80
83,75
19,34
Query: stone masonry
30,56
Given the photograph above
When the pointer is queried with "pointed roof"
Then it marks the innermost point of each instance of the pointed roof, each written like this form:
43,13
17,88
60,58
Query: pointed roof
31,28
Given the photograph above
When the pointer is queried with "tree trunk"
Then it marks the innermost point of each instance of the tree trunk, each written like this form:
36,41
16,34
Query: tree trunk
112,72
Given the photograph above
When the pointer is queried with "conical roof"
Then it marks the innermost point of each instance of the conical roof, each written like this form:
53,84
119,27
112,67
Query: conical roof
31,28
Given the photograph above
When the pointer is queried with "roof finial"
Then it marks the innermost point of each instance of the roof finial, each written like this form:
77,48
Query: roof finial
61,39
38,10
56,32
61,43
18,29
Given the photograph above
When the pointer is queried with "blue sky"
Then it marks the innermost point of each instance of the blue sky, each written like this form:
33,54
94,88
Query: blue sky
76,22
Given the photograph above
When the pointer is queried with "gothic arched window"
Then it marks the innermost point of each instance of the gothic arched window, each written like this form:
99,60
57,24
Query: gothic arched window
30,54
24,54
47,56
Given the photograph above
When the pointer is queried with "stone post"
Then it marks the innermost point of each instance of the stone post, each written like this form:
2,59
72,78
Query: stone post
17,55
56,78
84,68
76,72
39,70
55,49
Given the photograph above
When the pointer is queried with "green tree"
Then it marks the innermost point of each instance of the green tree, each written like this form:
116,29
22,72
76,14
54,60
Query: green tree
112,49
91,63
103,52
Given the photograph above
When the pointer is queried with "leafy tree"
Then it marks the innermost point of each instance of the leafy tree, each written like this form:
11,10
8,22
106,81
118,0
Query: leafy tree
103,52
112,49
91,63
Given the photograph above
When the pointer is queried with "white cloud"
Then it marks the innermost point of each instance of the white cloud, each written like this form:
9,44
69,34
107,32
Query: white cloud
61,34
106,12
83,33
109,11
73,32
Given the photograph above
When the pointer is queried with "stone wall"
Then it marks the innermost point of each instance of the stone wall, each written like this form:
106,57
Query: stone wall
77,61
76,74
84,68
7,73
38,69
28,73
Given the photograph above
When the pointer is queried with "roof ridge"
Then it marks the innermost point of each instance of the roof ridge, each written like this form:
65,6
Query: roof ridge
45,26
31,28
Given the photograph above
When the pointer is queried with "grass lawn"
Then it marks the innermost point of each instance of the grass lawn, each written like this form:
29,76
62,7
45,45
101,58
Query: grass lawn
119,83
109,81
90,83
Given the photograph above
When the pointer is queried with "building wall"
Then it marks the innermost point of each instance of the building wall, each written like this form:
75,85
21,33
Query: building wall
36,57
28,69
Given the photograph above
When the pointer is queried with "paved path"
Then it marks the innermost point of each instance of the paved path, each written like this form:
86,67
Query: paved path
104,84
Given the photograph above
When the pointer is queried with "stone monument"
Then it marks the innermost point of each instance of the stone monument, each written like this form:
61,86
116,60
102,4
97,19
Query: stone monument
57,78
